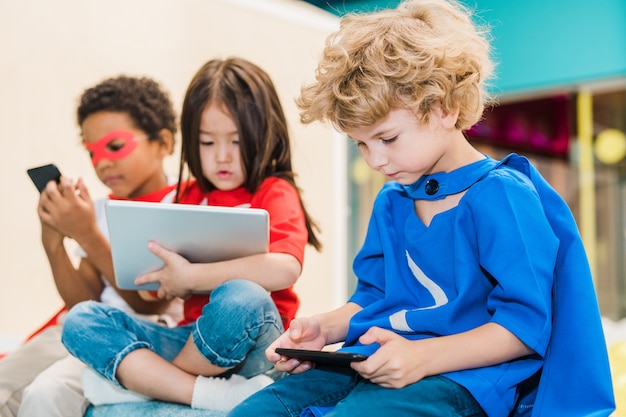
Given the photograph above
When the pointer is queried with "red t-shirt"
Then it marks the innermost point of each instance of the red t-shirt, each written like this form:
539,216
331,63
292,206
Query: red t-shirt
154,197
288,233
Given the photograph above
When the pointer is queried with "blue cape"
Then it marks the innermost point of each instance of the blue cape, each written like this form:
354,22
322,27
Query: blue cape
576,378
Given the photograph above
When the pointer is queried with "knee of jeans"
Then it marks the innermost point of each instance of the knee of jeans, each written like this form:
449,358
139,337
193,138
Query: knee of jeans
237,293
79,317
238,306
239,316
238,287
85,310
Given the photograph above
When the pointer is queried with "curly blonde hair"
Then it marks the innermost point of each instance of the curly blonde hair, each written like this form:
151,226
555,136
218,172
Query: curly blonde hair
423,53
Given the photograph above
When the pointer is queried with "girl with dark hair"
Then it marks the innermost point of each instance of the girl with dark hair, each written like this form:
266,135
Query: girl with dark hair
236,152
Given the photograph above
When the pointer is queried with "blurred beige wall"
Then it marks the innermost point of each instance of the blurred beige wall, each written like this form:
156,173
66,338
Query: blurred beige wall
51,51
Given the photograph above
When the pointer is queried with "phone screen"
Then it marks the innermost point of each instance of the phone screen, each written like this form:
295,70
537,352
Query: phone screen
322,357
42,175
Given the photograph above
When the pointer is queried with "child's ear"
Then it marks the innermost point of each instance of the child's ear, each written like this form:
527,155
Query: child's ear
167,142
449,117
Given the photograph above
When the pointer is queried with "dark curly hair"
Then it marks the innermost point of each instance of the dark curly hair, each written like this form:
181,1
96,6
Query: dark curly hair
142,98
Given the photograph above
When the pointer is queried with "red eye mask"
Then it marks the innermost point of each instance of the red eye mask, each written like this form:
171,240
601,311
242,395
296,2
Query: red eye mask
114,145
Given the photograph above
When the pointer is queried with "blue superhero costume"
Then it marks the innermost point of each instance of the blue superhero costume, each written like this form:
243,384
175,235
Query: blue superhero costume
509,253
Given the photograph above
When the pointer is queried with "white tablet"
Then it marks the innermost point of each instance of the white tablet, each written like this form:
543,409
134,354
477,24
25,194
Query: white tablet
198,233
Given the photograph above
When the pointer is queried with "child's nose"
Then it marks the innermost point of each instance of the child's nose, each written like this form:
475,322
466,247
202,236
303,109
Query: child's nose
377,160
102,162
224,153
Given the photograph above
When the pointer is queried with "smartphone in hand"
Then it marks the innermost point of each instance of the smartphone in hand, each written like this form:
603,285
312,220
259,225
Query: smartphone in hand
323,358
42,175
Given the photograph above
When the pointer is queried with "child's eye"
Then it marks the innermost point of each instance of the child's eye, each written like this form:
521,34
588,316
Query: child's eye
388,141
115,145
206,142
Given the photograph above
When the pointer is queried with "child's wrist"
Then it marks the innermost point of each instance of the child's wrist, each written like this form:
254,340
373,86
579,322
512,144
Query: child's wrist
53,245
196,279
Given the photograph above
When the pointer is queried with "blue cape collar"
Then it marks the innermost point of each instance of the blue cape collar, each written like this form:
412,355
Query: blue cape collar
442,184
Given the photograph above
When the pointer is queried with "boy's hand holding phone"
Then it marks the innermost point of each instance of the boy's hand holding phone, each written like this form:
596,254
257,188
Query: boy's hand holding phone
303,333
67,208
42,175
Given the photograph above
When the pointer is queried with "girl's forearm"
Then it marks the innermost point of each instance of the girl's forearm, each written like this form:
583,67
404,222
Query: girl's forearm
273,271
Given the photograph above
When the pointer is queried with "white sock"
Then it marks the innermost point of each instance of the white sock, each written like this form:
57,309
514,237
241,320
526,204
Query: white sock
99,390
221,394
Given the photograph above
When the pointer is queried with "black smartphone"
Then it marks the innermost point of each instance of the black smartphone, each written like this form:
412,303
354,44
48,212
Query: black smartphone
322,357
42,175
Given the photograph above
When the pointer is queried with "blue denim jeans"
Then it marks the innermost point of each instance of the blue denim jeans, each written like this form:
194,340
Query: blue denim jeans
234,330
352,395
